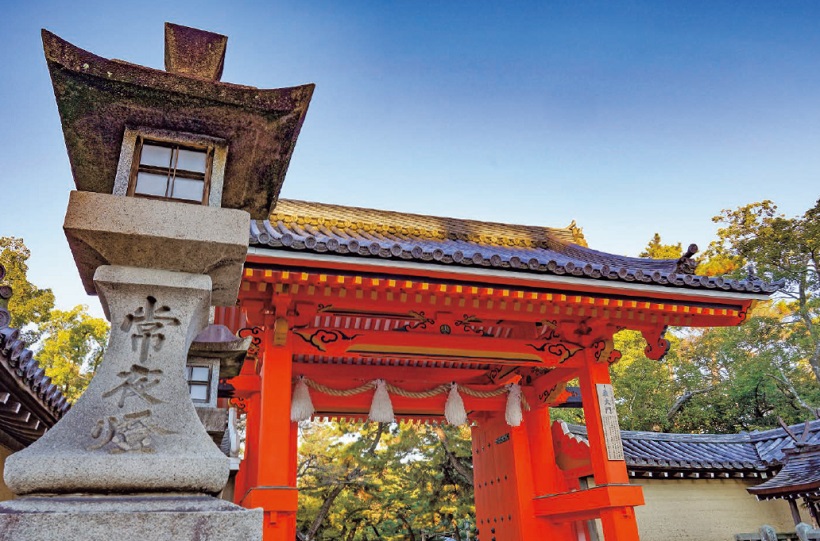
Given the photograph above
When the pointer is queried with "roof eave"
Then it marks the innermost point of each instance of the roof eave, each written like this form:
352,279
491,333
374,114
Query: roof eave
474,274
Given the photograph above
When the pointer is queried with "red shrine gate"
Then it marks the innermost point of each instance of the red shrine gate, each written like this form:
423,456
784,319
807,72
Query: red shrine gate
344,323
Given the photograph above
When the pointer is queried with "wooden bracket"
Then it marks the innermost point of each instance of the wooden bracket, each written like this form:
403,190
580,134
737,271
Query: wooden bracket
656,345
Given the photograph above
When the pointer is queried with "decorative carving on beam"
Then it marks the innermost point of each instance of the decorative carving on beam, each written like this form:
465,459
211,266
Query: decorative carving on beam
256,340
492,375
549,387
532,373
656,345
468,323
319,338
499,373
563,350
239,404
418,321
548,328
553,341
554,395
604,351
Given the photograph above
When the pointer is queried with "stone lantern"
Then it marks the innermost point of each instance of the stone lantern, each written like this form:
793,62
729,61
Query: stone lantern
169,166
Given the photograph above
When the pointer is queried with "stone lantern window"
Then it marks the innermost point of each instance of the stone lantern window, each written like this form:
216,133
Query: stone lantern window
170,171
200,384
175,166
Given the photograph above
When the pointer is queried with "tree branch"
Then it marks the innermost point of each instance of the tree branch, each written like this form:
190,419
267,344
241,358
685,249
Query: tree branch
453,459
683,399
793,392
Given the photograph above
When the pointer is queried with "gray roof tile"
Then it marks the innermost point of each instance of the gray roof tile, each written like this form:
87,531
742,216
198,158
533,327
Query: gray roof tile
369,233
744,452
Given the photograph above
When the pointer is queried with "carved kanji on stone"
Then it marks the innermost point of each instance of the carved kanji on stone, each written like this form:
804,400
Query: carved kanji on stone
138,381
131,432
148,323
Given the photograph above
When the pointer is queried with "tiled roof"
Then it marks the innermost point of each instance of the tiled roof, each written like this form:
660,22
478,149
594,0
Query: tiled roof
725,453
29,403
23,374
360,232
799,477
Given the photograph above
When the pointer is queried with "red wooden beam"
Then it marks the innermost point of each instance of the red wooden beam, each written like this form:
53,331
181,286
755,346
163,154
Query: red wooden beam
352,375
587,504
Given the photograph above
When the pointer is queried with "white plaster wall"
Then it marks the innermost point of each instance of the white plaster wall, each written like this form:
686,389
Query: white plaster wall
705,510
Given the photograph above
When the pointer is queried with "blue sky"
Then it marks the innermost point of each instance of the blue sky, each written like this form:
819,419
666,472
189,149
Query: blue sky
629,117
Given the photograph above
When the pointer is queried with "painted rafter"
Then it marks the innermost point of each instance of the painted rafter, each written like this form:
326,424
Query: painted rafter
397,295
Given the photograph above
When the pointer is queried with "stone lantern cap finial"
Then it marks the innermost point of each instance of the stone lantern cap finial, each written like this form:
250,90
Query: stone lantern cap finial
193,52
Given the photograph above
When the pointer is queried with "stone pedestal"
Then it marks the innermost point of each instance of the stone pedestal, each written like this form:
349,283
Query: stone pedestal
103,471
126,518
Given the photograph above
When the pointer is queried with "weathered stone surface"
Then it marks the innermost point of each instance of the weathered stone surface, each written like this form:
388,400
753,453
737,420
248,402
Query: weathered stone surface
124,518
98,98
135,428
106,229
215,421
193,52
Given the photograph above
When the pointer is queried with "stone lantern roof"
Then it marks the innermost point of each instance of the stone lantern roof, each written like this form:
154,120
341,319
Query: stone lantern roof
99,98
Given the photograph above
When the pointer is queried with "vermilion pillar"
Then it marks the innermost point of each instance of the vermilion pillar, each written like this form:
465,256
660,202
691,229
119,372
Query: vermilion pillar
246,477
546,477
511,466
613,497
274,488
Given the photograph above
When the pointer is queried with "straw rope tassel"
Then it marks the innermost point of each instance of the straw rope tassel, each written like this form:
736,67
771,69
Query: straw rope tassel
301,406
513,415
381,410
454,407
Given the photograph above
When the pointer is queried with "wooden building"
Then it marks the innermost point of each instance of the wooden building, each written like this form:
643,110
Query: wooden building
703,486
347,300
29,403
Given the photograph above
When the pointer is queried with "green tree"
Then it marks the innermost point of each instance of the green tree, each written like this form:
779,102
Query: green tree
72,348
68,344
655,249
29,306
646,389
392,482
735,378
754,375
780,248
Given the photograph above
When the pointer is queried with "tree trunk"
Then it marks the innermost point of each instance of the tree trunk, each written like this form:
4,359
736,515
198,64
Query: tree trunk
408,526
323,512
453,459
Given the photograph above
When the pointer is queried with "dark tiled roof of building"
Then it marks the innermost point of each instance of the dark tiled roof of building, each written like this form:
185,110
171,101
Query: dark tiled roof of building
352,231
799,477
29,403
724,453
